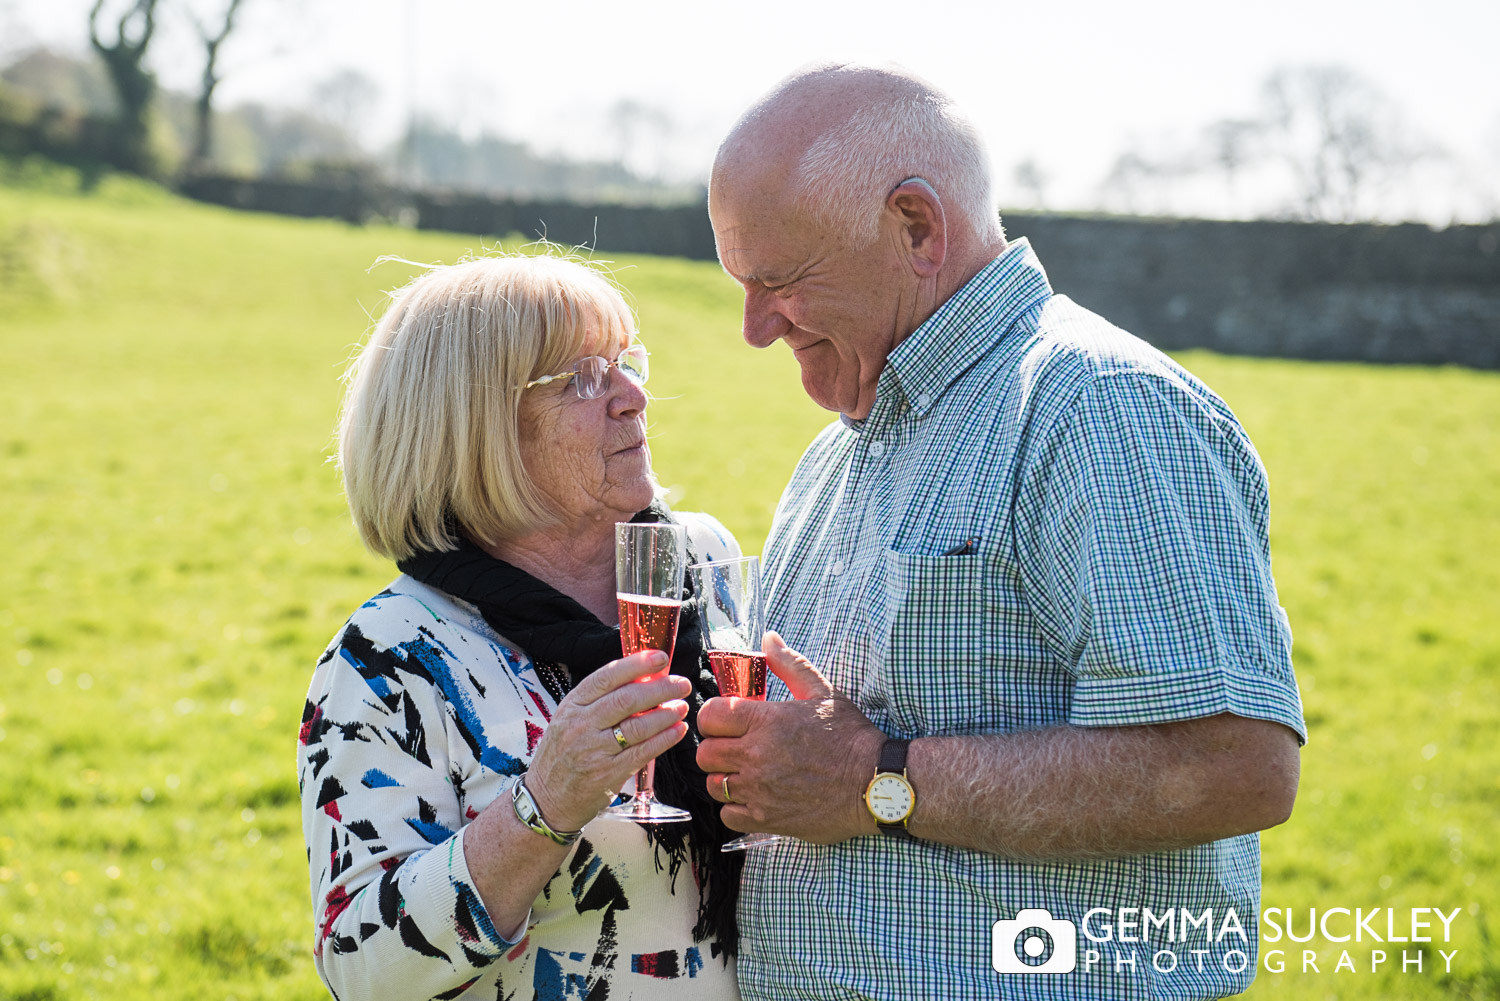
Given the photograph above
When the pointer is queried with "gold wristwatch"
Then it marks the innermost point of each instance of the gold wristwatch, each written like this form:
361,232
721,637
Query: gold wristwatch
529,814
889,797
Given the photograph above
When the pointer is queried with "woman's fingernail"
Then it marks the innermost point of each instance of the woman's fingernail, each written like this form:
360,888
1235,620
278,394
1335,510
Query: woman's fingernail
656,658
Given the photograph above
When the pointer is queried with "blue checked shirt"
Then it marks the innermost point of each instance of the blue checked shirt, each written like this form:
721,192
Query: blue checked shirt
1112,516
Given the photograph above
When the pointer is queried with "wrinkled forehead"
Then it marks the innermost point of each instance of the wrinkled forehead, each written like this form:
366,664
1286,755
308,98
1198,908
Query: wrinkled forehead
759,229
766,248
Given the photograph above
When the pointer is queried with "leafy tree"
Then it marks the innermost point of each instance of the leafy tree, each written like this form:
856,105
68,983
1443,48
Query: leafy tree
78,85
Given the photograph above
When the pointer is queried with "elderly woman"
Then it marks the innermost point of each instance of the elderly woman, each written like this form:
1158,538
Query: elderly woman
467,724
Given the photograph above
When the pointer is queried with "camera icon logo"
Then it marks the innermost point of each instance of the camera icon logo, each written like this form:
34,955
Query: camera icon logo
1034,942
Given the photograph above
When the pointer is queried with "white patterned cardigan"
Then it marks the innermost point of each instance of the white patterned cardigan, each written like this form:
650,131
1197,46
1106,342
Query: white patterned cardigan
417,716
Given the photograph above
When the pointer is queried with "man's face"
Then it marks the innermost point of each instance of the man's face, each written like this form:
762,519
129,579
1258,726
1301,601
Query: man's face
840,310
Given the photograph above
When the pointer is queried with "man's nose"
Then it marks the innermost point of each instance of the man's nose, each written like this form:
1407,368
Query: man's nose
763,322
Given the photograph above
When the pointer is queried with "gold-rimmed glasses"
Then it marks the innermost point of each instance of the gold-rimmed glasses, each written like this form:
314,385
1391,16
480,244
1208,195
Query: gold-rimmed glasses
592,373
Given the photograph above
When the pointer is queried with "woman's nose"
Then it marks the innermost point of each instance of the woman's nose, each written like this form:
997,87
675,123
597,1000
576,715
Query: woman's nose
627,398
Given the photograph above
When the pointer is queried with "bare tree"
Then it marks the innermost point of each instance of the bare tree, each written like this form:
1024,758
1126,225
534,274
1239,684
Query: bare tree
212,41
1232,145
1324,141
1146,181
1122,185
134,84
346,99
1342,140
1031,178
624,119
1490,192
661,127
630,122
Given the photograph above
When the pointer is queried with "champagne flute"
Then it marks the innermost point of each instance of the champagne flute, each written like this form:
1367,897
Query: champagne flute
733,623
649,562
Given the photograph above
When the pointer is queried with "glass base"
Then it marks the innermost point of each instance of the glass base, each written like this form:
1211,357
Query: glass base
745,841
647,811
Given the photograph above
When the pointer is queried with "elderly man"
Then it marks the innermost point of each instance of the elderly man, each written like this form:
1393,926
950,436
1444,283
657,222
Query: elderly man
1030,564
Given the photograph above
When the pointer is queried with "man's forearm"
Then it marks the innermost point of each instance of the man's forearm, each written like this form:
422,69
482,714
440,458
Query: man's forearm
800,767
1072,792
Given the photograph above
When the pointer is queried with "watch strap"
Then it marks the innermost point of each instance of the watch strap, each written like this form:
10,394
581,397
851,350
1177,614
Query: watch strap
530,815
895,831
893,759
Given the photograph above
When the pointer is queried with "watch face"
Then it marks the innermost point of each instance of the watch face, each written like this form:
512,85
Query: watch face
889,798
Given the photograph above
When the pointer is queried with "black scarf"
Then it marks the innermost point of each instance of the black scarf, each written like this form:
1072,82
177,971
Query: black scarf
567,643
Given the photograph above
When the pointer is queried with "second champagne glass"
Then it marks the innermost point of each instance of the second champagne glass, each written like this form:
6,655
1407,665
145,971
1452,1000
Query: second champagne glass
732,620
649,564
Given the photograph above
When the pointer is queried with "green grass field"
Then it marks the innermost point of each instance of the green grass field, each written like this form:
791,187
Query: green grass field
177,554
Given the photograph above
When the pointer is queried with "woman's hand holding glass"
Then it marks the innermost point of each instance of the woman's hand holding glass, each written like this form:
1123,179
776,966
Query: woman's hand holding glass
649,562
580,764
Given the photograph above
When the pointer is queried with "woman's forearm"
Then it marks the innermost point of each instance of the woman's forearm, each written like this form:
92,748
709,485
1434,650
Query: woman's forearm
412,930
510,864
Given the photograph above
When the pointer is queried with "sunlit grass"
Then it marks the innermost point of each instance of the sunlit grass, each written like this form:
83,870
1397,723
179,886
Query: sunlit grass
177,554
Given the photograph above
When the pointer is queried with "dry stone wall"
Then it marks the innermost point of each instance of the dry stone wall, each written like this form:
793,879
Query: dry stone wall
1395,294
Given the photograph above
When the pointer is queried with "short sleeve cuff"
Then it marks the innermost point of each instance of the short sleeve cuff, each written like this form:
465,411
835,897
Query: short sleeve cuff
1170,696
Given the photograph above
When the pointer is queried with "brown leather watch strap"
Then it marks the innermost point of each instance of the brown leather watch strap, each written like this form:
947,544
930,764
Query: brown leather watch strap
893,759
892,756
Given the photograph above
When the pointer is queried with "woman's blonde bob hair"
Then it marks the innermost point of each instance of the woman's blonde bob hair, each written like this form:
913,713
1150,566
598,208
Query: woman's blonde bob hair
429,435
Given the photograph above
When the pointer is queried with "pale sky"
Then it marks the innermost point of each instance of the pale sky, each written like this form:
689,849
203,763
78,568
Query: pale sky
1069,83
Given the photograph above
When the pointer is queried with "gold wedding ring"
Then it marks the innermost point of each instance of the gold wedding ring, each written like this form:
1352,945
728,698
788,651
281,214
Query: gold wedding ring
727,798
620,739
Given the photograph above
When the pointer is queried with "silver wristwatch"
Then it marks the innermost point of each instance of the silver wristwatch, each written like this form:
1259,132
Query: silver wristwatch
528,813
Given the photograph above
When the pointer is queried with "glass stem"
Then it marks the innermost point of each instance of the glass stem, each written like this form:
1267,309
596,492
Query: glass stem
645,783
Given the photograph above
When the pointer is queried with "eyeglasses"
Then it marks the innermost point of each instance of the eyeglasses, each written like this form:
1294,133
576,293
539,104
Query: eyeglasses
591,373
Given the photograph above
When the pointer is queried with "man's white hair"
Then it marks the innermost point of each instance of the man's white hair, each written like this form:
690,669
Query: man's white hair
844,177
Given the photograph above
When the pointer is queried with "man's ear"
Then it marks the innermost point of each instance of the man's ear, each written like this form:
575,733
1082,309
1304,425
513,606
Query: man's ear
924,229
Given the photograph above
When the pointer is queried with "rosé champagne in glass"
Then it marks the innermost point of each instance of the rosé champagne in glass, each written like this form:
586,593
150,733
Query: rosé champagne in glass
649,564
739,673
732,621
648,623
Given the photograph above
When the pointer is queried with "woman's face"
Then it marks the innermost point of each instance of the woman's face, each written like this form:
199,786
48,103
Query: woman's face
589,458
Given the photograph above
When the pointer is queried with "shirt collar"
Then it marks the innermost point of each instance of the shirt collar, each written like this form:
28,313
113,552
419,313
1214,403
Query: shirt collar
971,322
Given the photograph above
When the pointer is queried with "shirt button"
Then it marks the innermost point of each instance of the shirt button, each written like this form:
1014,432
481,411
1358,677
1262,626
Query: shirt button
877,448
922,400
837,568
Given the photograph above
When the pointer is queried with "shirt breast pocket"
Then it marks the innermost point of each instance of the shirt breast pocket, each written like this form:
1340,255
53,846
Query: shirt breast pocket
943,642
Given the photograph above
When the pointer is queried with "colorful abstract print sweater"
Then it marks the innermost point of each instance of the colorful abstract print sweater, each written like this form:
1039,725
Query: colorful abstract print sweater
417,717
